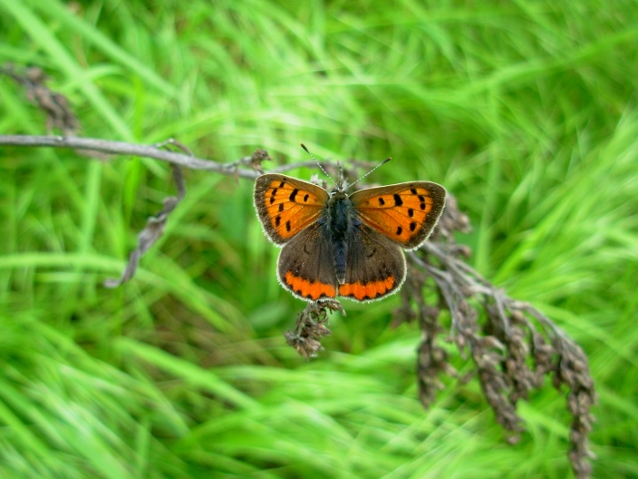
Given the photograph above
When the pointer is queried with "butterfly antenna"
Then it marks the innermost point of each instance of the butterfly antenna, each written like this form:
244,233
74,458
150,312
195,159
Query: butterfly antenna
342,176
359,179
317,161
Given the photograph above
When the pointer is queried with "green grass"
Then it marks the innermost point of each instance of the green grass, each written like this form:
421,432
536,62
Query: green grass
525,111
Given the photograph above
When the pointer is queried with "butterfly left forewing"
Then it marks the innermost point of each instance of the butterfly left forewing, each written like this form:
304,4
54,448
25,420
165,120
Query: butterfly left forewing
406,213
286,205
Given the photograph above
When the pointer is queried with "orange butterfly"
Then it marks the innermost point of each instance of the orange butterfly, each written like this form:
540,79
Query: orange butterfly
340,245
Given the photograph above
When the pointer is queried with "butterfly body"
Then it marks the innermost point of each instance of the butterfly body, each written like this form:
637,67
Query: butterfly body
335,244
339,222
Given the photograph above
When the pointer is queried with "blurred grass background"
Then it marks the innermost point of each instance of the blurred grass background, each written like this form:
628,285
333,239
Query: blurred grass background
526,111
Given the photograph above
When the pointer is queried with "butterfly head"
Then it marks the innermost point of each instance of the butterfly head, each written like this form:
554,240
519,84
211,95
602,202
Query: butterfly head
340,187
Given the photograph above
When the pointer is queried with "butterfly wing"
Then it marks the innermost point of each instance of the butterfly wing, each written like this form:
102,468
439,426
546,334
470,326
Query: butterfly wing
306,265
375,266
406,212
287,206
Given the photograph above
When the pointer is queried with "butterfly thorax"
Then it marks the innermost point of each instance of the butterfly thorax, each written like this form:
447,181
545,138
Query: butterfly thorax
340,219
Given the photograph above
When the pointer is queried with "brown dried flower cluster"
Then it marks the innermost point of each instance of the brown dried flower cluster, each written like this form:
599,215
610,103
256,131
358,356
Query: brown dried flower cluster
59,115
311,327
512,345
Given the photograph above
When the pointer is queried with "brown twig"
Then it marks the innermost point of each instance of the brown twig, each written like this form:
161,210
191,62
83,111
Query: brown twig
145,151
154,226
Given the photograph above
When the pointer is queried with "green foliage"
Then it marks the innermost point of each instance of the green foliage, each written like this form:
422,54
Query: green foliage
525,111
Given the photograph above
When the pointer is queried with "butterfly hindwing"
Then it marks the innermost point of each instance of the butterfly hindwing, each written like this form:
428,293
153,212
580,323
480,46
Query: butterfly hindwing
406,212
375,266
306,265
287,206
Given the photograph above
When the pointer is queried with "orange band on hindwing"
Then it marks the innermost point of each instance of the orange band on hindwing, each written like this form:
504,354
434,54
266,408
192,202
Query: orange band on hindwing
309,289
371,290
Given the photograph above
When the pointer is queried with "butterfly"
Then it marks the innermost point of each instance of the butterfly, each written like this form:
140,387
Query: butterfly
335,244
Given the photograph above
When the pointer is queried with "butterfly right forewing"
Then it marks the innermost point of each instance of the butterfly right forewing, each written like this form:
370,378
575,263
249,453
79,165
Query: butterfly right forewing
406,213
287,206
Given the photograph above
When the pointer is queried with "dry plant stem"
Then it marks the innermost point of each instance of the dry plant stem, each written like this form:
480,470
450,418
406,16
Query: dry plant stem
151,151
155,224
152,232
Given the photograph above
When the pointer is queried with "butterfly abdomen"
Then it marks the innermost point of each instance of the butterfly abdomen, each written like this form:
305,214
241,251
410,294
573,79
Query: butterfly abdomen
341,220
